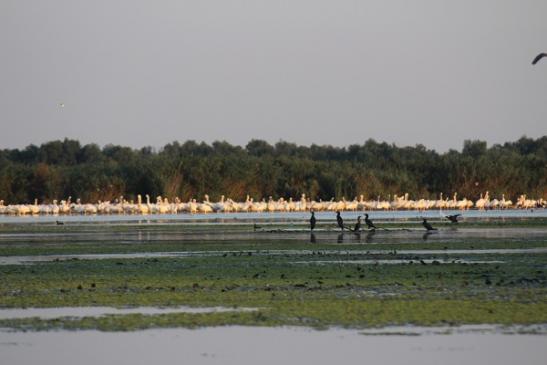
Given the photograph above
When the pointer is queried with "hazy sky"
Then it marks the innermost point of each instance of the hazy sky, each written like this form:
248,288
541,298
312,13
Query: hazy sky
336,72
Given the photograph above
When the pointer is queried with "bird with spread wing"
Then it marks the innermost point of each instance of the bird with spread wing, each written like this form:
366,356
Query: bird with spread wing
538,57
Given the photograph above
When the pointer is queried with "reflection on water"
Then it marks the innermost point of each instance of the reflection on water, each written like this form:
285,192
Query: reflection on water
138,234
370,236
258,345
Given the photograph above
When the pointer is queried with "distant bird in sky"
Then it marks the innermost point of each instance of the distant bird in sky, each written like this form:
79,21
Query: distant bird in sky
539,57
339,220
312,220
428,226
369,223
453,218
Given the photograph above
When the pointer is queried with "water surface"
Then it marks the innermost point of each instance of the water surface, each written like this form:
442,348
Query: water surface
257,345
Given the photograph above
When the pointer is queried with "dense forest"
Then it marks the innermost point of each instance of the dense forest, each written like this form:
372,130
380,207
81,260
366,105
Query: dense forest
58,169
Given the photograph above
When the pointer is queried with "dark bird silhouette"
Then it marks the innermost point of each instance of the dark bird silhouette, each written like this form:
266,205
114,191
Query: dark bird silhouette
59,223
428,226
369,223
340,221
539,57
453,218
312,220
357,227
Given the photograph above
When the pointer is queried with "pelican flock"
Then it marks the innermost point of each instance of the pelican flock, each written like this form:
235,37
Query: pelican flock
163,205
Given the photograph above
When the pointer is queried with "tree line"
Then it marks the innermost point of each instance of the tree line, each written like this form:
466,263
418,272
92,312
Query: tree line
58,169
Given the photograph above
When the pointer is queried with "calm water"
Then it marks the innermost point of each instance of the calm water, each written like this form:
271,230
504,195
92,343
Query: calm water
278,216
157,233
255,345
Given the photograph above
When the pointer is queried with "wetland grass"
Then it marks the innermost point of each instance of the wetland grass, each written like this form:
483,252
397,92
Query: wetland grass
319,296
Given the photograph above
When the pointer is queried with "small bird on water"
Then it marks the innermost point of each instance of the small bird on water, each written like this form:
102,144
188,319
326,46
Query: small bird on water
339,220
453,218
369,223
538,57
428,226
312,220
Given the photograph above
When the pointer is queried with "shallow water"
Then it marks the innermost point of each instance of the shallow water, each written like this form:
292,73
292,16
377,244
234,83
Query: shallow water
257,345
58,312
277,216
22,260
153,233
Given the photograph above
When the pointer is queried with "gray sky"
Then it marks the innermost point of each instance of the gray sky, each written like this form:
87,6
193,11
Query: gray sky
336,72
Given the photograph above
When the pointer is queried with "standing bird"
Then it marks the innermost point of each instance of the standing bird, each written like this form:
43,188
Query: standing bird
428,226
357,227
453,218
312,220
369,223
339,220
539,57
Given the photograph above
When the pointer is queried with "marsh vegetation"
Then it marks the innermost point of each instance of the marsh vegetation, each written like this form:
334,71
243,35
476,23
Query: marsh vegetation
472,274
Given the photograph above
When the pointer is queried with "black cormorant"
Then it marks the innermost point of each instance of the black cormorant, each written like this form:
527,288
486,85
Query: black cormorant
369,223
339,220
453,218
312,220
357,227
428,226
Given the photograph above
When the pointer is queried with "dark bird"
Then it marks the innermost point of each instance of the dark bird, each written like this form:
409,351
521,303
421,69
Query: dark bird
428,226
340,221
59,223
453,218
357,227
539,57
369,223
312,220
